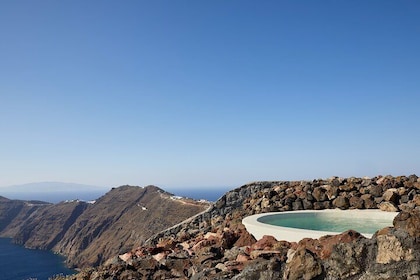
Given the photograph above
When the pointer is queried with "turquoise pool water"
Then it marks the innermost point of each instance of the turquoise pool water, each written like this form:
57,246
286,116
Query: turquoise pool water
327,222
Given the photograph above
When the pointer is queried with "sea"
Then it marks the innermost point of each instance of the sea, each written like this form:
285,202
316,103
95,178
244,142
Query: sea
19,263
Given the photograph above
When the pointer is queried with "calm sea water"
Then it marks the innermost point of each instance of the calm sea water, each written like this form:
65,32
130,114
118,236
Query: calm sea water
18,263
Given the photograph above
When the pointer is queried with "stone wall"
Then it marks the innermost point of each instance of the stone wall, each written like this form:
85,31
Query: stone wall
215,244
384,192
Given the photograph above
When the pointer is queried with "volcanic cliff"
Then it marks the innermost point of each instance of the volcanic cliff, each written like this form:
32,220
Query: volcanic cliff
215,244
89,233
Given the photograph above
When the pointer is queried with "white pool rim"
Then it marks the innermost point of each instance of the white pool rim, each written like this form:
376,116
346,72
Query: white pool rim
259,229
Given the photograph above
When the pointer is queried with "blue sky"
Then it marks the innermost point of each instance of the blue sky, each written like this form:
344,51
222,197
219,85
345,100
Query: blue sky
207,93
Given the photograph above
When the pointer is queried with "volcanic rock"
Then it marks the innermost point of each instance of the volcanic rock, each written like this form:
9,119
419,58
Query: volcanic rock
302,264
88,234
392,253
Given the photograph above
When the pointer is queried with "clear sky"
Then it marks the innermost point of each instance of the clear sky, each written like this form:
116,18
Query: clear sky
207,93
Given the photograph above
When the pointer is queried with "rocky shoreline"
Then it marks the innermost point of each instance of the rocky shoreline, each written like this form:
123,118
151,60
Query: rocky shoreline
215,244
88,234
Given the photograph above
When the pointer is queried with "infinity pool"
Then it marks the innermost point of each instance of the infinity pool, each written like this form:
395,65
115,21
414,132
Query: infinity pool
296,225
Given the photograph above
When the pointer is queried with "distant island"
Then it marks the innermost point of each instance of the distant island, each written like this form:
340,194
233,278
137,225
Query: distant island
53,191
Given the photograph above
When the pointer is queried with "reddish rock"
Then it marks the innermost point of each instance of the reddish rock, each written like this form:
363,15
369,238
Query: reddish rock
245,239
323,246
202,244
265,254
265,243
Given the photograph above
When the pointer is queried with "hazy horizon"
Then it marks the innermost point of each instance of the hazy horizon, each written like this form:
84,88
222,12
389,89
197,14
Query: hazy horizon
55,192
207,93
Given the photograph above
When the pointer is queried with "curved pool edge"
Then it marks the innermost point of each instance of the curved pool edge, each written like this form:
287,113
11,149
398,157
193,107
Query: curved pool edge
259,229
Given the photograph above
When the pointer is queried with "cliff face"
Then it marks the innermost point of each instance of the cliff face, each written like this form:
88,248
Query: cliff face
43,226
13,213
215,244
120,220
90,233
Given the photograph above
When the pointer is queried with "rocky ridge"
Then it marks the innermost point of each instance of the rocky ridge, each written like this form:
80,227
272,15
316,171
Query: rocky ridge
215,244
89,233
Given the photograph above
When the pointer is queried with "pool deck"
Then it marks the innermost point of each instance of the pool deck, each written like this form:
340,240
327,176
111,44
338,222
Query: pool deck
259,229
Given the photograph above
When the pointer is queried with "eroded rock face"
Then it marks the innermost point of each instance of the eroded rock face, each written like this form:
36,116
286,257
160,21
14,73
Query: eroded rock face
223,249
88,234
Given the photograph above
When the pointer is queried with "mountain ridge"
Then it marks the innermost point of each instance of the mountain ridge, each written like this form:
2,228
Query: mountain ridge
216,245
89,233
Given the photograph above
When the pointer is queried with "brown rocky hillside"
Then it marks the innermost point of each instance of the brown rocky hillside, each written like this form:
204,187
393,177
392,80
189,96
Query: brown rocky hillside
123,218
215,244
87,234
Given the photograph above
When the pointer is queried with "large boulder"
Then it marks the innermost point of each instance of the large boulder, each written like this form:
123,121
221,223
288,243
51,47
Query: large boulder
388,206
347,259
302,264
409,222
341,202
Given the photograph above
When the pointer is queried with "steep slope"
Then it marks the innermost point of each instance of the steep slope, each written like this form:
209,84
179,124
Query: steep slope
16,210
89,233
215,244
123,218
42,225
